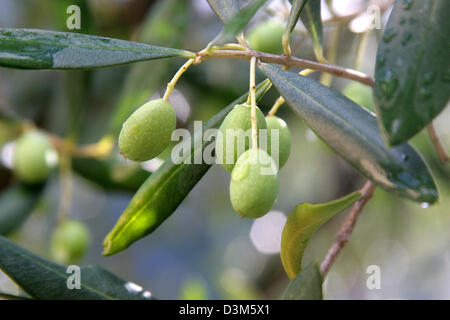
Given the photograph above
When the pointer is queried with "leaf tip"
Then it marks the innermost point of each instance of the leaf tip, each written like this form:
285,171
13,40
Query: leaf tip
107,247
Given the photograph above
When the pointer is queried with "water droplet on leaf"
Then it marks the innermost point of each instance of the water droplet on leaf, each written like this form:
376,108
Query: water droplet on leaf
407,4
381,60
389,34
407,36
425,205
424,93
388,82
428,77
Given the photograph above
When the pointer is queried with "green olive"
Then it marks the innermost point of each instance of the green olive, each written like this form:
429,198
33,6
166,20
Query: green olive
34,157
237,126
70,241
146,133
266,37
359,93
254,184
284,139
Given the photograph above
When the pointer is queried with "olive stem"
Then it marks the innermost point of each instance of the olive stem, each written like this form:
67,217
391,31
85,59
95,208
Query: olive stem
281,100
326,78
276,106
347,227
443,156
285,43
242,41
252,96
99,149
233,46
173,82
291,61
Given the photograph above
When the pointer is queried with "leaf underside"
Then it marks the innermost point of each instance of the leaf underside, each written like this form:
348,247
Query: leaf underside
224,9
237,22
43,49
301,225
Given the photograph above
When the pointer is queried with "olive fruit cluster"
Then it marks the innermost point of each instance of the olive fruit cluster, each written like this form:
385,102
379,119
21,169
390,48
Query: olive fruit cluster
69,242
254,173
234,129
34,157
146,133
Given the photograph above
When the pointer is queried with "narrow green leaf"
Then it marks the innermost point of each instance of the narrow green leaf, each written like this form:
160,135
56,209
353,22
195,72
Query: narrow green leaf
43,279
312,20
166,26
16,204
165,189
294,14
224,9
352,131
6,296
238,22
412,73
301,225
110,173
43,49
307,285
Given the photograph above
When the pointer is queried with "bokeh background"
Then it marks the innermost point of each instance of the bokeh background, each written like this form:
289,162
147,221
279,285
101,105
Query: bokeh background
205,250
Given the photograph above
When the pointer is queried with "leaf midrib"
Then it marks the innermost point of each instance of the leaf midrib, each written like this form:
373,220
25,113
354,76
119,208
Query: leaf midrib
36,261
335,116
87,46
157,192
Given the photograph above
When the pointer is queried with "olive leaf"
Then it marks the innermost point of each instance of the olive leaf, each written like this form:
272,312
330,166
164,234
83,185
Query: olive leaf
352,131
307,285
301,225
166,188
312,20
43,49
224,9
16,204
43,279
110,173
166,25
412,73
237,22
6,296
294,14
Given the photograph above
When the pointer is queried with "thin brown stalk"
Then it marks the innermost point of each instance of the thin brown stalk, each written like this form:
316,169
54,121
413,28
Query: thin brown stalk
347,228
